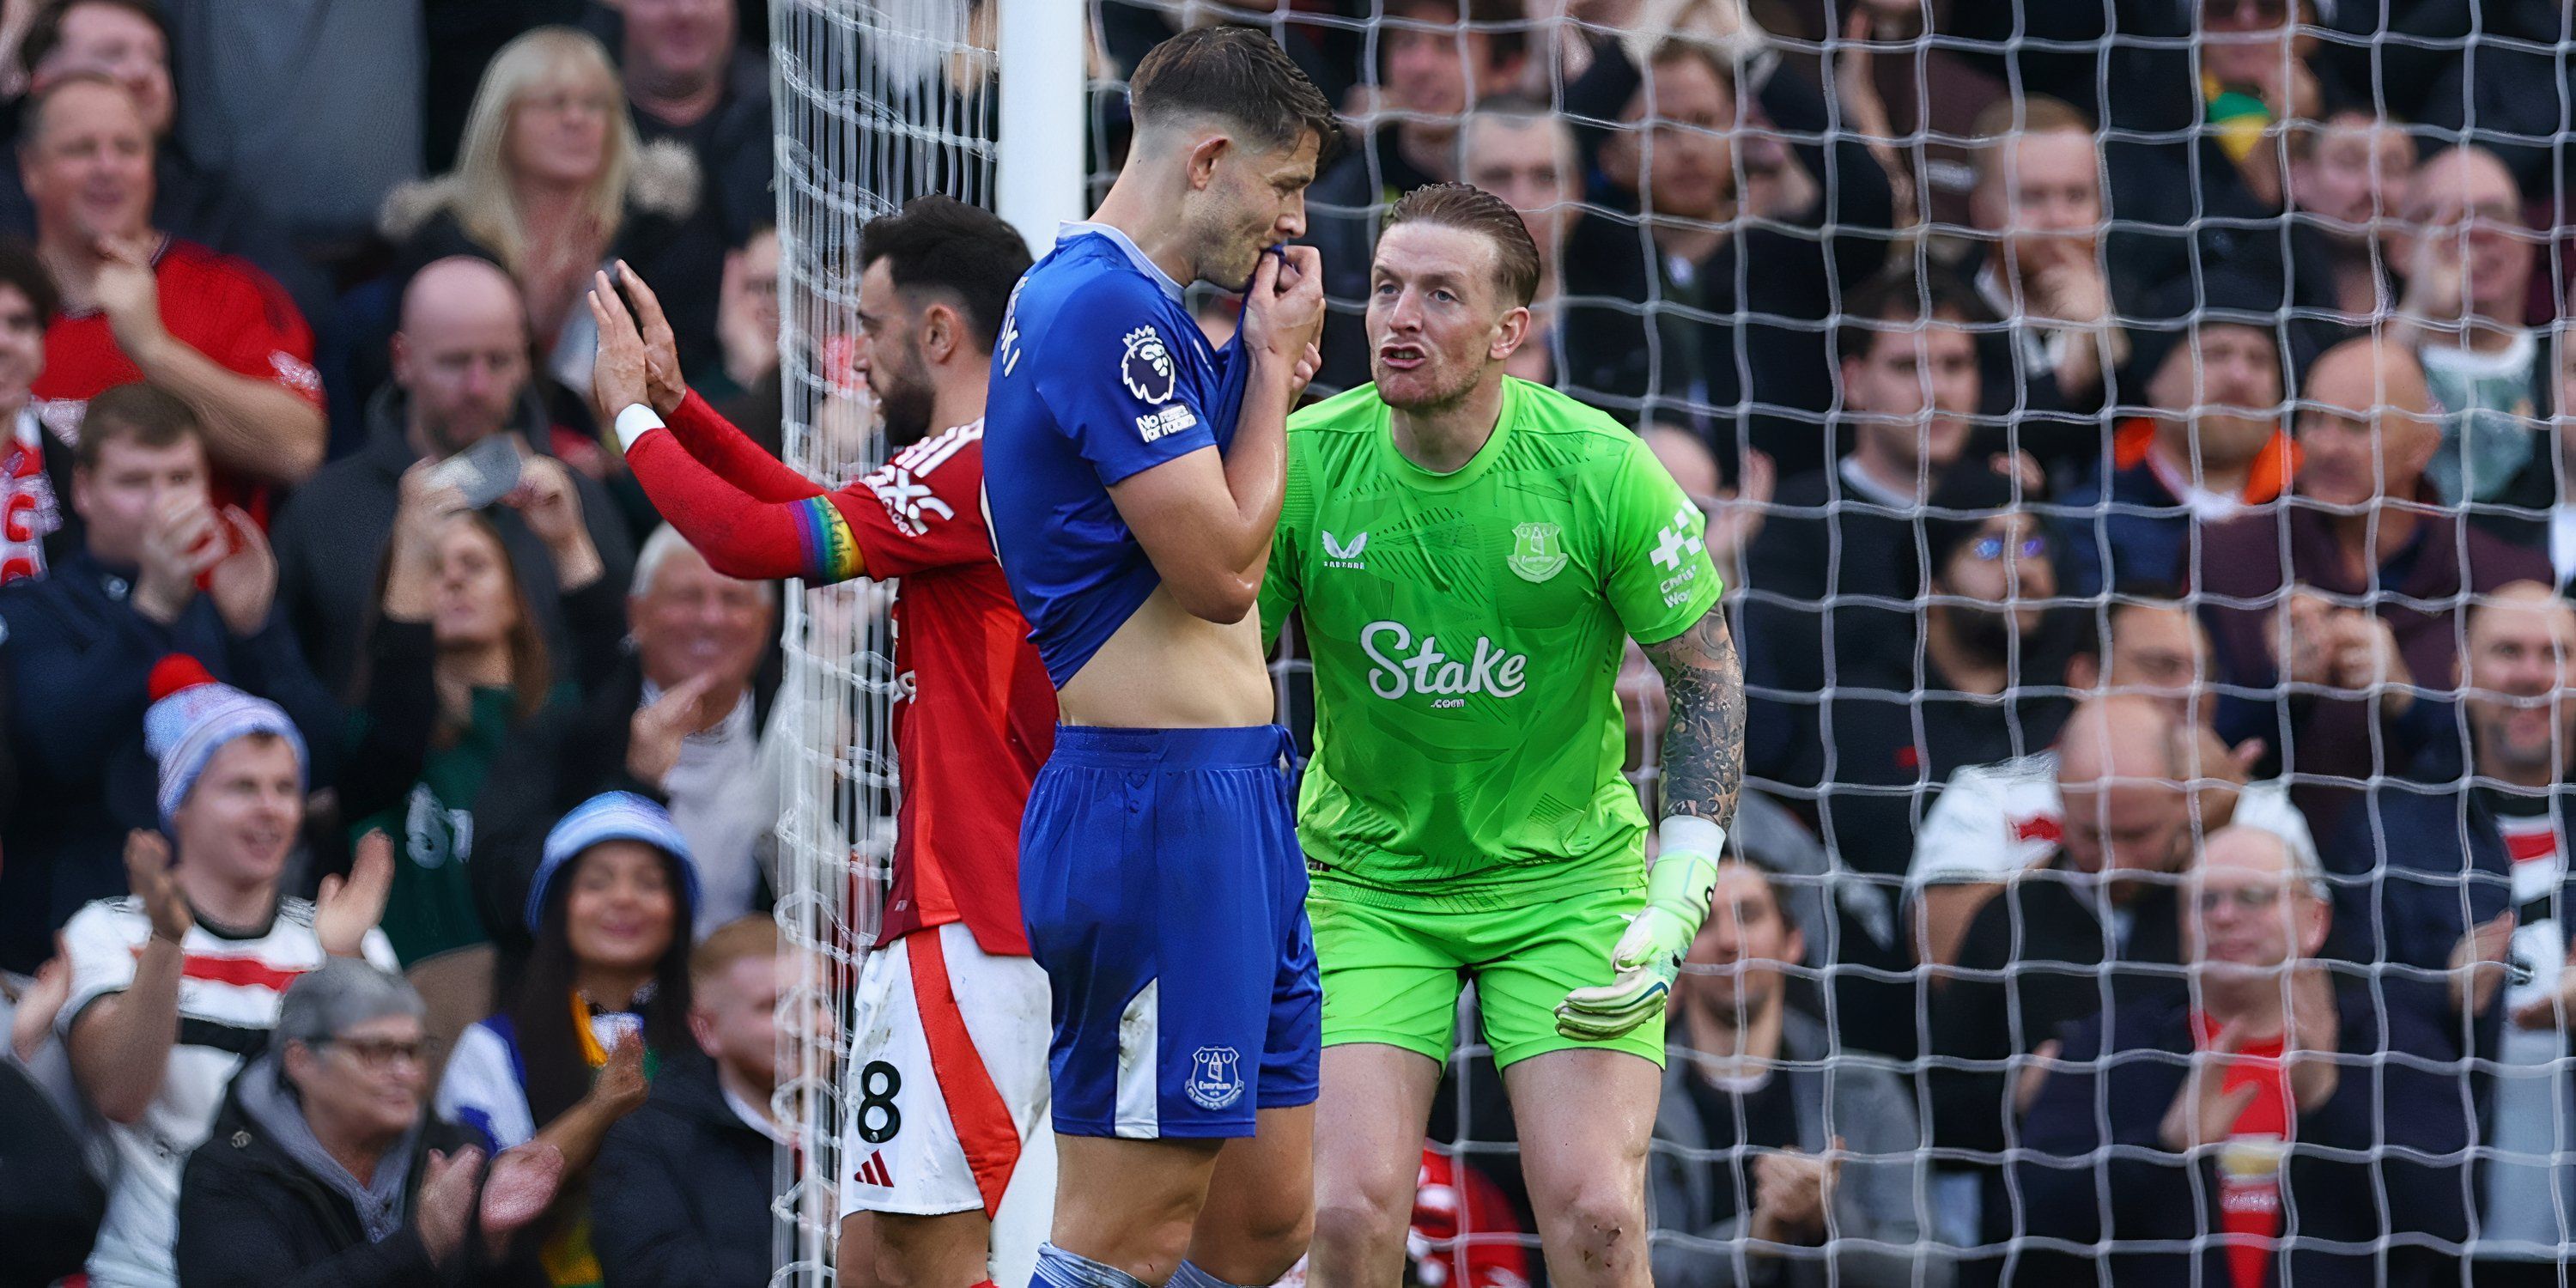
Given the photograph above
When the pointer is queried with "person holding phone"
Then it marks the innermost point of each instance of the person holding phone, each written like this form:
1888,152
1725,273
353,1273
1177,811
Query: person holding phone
461,398
160,569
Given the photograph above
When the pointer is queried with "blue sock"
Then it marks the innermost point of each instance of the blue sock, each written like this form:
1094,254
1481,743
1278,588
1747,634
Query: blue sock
1190,1276
1058,1268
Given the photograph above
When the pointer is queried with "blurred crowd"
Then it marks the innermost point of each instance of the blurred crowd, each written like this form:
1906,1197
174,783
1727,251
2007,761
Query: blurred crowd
2140,438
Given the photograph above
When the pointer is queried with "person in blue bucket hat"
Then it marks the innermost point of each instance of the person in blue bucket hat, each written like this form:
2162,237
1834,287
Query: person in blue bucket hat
603,1000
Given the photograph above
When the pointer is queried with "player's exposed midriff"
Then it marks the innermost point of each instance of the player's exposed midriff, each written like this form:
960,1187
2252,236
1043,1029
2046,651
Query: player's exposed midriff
1165,669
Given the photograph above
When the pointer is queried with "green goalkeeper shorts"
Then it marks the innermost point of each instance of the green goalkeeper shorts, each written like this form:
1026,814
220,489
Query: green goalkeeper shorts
1392,975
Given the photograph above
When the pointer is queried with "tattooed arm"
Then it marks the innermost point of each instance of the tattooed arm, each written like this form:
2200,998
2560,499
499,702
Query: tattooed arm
1703,772
1703,753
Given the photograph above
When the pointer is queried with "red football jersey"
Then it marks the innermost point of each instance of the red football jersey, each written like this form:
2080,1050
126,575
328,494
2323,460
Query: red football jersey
975,713
219,306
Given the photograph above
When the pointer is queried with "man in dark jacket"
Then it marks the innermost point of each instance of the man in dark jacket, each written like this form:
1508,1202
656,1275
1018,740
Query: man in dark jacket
462,375
2096,921
2324,1130
159,571
681,1193
323,1171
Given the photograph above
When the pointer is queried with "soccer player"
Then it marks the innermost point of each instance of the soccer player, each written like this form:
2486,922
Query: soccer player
948,1167
1469,554
1133,477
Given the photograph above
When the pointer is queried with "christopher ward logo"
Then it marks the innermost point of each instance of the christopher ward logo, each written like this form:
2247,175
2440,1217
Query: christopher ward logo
1405,667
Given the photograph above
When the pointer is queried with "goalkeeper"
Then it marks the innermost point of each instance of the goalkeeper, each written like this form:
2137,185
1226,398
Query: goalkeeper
1469,554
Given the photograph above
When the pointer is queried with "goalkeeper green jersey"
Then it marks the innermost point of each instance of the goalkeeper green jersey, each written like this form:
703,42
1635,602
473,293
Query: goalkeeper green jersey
1467,630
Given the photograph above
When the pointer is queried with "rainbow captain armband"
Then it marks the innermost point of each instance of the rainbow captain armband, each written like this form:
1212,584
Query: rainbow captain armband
831,550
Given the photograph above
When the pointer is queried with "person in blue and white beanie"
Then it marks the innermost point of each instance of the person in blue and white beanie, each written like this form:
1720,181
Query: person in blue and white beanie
603,1001
176,983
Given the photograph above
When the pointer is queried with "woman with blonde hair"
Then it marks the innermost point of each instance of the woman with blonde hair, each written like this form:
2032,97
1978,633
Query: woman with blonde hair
550,183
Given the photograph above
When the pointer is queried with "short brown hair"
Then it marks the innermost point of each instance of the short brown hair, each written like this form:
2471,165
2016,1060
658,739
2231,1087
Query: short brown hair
136,413
740,940
1241,75
1503,23
1472,209
1684,49
2009,118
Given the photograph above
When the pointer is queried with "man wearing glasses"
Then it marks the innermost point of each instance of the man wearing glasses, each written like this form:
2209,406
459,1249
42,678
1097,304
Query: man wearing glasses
2274,1122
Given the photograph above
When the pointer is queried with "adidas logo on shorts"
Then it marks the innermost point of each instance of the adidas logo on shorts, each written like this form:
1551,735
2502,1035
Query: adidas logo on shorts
875,1172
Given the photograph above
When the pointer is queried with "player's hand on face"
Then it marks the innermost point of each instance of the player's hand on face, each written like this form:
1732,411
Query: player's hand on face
1283,310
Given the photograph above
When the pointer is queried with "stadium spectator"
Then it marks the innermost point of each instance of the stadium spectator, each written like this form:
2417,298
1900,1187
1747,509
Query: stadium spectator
747,329
1652,294
1836,566
681,721
1764,1170
2375,578
174,985
682,1193
54,1163
461,375
550,183
2091,924
33,481
603,1003
1522,153
455,662
2520,646
1736,516
2555,508
2350,176
195,194
2465,312
160,570
1993,821
2038,261
2277,1124
1984,677
320,115
687,82
1921,98
2207,445
2195,97
322,1166
1440,58
141,304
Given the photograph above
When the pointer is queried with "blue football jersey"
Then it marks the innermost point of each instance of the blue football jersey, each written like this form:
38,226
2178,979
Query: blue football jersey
1100,373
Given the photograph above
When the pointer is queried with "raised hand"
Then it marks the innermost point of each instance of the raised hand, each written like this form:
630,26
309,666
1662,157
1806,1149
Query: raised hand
129,295
243,582
446,1200
522,1185
653,736
2312,1038
180,541
621,1088
345,911
148,875
617,371
2205,1111
2478,964
662,379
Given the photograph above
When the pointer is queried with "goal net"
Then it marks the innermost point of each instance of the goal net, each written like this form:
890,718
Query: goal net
2115,422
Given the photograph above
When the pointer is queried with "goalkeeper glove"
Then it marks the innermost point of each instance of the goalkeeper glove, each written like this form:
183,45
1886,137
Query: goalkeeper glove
1649,956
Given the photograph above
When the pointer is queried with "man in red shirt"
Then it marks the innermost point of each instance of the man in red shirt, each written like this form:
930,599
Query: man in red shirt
946,1107
139,305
